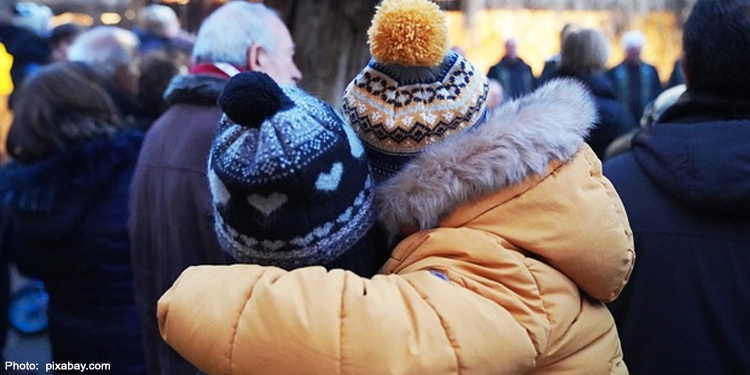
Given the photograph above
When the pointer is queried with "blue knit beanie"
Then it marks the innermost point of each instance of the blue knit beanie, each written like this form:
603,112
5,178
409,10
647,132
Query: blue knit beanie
290,181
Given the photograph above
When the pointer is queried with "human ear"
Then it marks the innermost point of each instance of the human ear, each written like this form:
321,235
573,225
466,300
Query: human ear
254,58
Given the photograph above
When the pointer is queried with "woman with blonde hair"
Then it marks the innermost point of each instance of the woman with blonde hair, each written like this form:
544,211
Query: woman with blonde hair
583,57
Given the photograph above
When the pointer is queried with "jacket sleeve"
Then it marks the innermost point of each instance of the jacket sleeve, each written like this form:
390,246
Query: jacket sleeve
247,319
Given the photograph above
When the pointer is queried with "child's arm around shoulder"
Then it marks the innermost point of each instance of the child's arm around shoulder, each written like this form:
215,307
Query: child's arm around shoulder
248,319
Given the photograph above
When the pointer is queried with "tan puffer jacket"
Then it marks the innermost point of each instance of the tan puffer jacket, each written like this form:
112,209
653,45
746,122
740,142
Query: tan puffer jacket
521,241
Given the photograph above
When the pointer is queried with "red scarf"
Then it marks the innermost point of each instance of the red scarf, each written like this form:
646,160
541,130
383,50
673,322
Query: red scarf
223,70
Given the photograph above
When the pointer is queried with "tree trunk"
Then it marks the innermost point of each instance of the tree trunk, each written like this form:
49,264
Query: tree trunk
331,40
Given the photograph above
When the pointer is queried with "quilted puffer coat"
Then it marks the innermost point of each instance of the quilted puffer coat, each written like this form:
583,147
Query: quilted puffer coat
520,240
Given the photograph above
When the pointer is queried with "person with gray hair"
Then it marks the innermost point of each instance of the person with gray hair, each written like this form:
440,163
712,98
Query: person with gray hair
171,211
583,56
636,82
160,28
112,52
513,73
248,36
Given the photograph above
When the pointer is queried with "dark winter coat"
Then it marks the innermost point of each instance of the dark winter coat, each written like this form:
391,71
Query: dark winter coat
635,85
171,212
515,76
68,216
686,188
614,119
29,50
549,70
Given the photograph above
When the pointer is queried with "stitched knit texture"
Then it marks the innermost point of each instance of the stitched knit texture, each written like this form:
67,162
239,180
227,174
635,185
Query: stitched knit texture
398,106
292,190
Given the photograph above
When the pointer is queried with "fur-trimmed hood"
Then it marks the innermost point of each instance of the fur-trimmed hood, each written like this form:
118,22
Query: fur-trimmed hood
518,140
194,88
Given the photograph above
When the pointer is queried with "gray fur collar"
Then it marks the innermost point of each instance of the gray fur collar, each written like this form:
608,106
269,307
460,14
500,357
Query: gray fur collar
520,139
202,89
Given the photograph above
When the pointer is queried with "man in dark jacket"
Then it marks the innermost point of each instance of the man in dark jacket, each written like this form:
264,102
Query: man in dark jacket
23,33
686,188
512,72
636,82
171,223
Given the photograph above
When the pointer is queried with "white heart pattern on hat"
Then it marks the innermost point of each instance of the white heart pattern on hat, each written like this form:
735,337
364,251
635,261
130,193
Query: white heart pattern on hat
330,181
268,204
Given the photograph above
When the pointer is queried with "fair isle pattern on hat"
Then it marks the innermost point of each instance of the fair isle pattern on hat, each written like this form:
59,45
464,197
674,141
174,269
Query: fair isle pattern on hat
319,246
295,191
399,110
414,92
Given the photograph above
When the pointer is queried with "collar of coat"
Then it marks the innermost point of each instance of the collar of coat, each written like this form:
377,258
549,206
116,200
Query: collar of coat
201,89
700,106
518,140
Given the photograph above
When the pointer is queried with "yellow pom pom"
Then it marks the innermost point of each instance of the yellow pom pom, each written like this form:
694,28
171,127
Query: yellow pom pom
408,32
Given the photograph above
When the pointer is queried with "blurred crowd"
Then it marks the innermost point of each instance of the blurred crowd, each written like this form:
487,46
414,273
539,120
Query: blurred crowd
137,63
189,208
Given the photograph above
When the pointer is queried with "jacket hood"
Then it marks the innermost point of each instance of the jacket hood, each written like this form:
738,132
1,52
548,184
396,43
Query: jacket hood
699,153
518,140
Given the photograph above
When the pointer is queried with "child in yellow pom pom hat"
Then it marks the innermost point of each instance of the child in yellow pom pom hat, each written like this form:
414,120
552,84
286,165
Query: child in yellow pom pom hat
414,92
513,243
